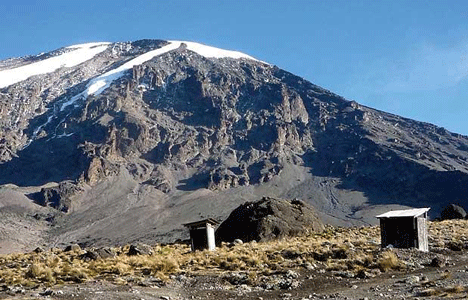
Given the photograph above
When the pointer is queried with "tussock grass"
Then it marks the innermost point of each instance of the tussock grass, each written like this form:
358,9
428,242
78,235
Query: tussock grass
349,249
389,261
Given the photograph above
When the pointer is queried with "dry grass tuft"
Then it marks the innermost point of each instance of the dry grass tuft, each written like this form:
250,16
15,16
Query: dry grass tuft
389,261
443,291
456,289
429,292
354,250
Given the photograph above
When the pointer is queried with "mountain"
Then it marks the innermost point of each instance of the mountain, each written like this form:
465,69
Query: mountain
115,142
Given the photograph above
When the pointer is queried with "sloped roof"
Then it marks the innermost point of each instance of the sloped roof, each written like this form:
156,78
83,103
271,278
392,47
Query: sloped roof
201,223
415,212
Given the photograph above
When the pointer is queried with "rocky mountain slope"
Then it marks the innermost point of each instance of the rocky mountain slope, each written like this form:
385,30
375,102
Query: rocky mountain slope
116,142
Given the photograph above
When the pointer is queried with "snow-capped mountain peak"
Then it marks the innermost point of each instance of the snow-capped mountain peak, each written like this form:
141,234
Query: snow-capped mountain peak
138,126
102,82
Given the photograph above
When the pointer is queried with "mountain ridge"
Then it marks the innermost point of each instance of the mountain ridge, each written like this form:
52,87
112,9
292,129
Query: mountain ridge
180,136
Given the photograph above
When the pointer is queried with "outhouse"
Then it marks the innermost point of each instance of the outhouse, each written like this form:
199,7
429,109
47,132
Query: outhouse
202,234
405,228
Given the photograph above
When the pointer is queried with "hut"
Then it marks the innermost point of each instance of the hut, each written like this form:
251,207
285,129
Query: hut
405,228
202,234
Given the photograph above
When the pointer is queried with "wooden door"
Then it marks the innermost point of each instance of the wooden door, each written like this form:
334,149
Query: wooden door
422,234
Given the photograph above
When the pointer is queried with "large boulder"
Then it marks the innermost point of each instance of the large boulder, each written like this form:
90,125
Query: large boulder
268,219
453,211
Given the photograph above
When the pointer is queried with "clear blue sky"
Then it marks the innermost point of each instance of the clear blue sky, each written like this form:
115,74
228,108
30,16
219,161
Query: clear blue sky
405,57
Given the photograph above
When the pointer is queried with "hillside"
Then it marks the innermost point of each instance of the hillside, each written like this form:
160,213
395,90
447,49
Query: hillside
110,143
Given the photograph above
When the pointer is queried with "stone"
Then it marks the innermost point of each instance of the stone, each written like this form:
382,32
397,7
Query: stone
105,252
72,247
89,255
292,274
238,242
455,246
237,278
38,250
308,266
453,211
438,262
140,249
268,219
47,293
412,279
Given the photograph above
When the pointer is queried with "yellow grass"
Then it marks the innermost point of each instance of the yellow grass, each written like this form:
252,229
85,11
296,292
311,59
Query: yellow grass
351,249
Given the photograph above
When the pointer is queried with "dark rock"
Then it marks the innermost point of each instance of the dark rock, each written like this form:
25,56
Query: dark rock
140,249
453,211
438,262
268,219
455,246
364,274
89,255
38,250
72,247
289,254
237,278
47,293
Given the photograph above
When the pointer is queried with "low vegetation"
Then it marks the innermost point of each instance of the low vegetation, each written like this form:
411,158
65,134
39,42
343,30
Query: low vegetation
352,250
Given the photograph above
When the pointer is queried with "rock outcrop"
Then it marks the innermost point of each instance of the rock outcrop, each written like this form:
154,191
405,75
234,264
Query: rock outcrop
269,219
59,197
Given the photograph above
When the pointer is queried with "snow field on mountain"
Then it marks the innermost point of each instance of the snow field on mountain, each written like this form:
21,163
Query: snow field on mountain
97,85
80,54
214,52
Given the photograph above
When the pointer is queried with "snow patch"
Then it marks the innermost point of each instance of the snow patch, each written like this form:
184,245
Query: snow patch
78,55
214,52
87,45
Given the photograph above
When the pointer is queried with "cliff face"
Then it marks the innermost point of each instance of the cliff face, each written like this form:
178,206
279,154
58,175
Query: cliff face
185,127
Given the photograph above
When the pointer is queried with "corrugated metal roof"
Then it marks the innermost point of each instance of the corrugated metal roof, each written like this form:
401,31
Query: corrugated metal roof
404,213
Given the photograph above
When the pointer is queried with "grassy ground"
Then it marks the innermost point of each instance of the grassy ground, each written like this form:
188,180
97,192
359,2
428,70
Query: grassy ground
354,250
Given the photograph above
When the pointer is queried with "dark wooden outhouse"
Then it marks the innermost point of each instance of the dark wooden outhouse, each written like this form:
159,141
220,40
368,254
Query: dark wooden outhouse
405,228
202,234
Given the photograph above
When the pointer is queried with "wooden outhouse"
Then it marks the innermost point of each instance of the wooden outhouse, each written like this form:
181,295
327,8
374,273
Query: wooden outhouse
405,228
202,234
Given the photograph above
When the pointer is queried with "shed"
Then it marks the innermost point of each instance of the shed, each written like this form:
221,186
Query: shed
202,234
405,228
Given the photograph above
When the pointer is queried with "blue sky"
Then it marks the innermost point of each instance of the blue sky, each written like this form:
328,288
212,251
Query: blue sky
405,57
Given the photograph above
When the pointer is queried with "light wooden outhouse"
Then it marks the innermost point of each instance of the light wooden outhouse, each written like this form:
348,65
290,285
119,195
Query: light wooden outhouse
202,234
405,228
